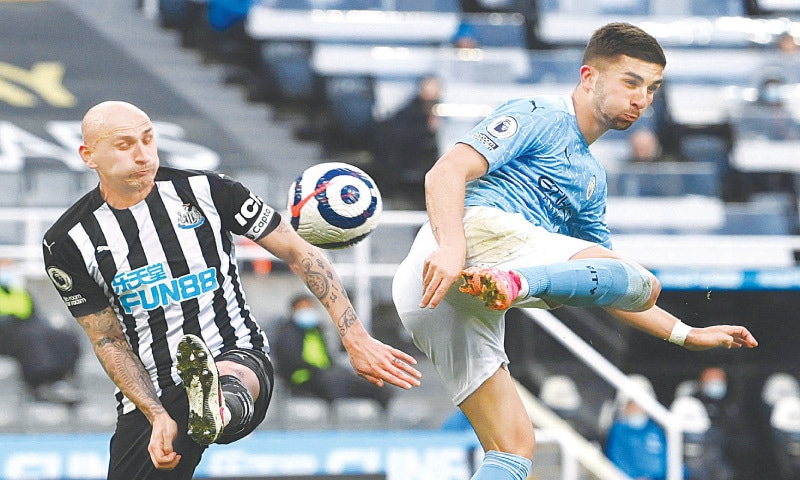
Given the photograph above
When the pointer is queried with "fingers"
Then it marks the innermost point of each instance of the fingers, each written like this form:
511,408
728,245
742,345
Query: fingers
397,370
435,290
163,457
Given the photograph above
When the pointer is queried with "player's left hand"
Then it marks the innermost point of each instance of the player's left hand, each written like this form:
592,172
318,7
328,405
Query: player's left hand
728,336
380,363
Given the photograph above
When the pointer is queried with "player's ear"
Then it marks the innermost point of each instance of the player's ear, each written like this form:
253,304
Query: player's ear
588,76
86,156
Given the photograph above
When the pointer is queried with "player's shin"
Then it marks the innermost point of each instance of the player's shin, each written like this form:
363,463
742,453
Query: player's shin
239,404
601,282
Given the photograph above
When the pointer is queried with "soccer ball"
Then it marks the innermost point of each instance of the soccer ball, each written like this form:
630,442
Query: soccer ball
334,205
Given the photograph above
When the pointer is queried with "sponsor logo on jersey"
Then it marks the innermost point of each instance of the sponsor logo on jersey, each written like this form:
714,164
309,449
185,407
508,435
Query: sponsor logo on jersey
485,140
255,213
558,197
590,189
503,127
61,279
149,287
190,217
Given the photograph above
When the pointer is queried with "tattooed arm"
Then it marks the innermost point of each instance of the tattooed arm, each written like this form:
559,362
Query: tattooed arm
371,359
127,372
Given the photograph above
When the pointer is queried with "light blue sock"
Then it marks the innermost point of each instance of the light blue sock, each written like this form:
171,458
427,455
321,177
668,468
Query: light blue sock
503,466
598,282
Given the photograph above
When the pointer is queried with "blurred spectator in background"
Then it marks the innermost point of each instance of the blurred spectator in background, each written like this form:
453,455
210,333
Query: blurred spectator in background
466,36
787,44
728,415
47,355
646,148
637,445
407,145
306,364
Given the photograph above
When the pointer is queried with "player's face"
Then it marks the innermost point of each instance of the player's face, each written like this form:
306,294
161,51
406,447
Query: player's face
125,154
623,90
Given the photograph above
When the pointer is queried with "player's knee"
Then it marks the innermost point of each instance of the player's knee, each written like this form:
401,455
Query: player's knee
522,442
655,287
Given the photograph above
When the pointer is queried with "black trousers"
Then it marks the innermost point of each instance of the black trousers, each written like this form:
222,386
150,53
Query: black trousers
130,459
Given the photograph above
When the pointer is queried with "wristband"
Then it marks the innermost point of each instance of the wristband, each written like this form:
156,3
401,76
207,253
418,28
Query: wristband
679,333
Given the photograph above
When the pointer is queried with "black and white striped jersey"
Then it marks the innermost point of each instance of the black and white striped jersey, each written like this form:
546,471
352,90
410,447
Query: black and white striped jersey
167,265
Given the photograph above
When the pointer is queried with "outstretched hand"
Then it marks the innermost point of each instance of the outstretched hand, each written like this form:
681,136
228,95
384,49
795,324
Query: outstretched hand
380,363
728,336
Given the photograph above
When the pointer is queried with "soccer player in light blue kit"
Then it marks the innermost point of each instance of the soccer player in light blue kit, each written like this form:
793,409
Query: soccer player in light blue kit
517,218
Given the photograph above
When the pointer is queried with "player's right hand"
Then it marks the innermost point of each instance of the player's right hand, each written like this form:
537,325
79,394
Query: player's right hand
160,448
441,269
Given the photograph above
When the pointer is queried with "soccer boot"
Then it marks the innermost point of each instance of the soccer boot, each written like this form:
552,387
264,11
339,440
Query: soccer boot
496,288
200,378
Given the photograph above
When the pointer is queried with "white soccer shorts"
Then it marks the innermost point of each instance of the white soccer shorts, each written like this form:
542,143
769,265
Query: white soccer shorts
462,337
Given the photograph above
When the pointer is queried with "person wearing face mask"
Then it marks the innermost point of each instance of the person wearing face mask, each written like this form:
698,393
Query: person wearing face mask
47,355
637,445
733,426
306,364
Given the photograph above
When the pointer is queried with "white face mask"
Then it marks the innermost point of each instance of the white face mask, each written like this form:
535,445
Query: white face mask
715,389
636,420
306,318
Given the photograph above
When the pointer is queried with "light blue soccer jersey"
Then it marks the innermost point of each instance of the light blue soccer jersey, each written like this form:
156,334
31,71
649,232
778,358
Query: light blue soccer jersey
540,166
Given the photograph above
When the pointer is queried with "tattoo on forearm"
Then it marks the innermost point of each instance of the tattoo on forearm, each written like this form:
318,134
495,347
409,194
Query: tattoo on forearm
119,360
346,321
317,281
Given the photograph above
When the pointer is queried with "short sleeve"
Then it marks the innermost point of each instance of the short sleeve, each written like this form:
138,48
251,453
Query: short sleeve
242,212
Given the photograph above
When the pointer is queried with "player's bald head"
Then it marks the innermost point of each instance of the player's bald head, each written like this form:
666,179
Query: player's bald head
106,118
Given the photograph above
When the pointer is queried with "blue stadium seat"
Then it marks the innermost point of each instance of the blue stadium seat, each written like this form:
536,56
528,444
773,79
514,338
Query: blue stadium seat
669,179
349,104
289,71
718,8
498,30
757,218
427,5
292,4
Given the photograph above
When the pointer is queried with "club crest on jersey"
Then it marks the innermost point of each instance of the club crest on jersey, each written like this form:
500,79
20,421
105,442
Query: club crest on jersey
503,127
190,217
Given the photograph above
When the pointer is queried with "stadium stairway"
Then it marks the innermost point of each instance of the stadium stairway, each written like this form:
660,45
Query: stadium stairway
249,124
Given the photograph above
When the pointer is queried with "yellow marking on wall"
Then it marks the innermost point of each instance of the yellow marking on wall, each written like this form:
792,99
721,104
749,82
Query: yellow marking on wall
44,79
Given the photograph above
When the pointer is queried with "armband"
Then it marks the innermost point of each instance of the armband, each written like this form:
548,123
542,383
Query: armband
679,333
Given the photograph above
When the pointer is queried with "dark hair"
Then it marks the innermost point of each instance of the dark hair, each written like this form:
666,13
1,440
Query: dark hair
615,39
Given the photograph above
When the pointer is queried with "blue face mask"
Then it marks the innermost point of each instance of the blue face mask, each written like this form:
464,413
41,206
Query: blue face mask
715,389
306,318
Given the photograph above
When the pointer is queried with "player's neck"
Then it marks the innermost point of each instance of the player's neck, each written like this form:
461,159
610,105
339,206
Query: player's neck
588,125
123,198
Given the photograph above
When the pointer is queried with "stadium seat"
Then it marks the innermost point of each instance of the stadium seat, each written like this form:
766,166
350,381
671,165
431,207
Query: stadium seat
12,184
669,179
305,413
560,393
349,104
777,386
498,30
357,414
423,5
757,218
404,413
785,425
288,75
